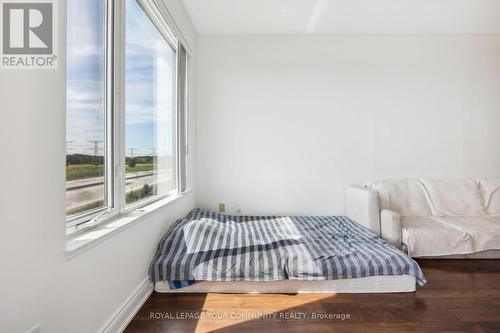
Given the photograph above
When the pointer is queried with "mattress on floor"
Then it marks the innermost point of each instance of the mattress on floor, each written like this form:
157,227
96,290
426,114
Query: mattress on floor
208,246
370,284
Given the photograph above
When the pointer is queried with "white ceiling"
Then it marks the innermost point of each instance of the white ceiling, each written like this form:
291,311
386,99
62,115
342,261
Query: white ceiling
344,16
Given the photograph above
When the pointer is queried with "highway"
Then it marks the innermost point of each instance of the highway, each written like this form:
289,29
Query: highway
87,191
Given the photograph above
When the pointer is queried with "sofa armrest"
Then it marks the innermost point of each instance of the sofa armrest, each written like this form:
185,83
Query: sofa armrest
362,207
390,227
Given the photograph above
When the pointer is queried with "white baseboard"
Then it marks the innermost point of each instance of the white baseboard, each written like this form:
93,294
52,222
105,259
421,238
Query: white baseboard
122,317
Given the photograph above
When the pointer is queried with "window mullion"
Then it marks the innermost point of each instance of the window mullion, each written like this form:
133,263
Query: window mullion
119,103
109,146
182,118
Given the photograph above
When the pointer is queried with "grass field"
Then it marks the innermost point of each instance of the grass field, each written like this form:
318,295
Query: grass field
82,171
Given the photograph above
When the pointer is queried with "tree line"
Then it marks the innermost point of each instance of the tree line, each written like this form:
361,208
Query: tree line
97,160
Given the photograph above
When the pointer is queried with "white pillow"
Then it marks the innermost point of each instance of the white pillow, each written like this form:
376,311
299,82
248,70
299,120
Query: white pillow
404,196
454,197
490,195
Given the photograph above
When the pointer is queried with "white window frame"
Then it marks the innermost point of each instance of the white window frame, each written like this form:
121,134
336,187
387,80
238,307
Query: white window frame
114,154
90,217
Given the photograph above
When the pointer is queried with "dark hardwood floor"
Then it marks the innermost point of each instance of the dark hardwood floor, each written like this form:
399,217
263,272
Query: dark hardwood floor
460,296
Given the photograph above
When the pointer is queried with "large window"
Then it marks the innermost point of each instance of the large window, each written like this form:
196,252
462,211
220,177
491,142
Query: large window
150,102
86,108
126,109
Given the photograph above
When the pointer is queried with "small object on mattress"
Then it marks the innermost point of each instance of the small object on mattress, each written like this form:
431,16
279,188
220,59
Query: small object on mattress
210,246
177,284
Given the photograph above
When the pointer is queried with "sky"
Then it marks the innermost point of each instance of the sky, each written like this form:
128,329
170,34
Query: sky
148,113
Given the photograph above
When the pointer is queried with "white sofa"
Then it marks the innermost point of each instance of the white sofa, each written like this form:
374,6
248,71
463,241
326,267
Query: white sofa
444,218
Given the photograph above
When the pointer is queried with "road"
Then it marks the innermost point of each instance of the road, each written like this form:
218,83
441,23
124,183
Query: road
87,191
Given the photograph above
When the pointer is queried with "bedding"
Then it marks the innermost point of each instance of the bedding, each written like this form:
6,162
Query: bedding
208,246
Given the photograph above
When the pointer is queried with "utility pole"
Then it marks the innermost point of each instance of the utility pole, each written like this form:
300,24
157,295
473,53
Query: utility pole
67,146
96,146
131,151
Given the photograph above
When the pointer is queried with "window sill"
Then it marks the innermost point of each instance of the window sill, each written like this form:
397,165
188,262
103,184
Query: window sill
80,242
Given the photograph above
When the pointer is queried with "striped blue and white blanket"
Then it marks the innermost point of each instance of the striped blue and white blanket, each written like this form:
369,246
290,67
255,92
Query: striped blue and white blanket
215,247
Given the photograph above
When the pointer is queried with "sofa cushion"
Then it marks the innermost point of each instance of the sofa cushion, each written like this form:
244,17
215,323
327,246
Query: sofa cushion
490,195
438,236
404,196
485,231
454,197
428,237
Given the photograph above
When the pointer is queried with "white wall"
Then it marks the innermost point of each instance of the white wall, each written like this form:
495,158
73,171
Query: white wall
37,283
286,123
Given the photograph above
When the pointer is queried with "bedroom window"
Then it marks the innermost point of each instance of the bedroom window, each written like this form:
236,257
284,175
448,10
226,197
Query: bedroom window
150,121
87,159
126,143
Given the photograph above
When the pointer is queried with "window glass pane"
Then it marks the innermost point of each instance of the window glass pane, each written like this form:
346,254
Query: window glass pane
85,109
149,121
